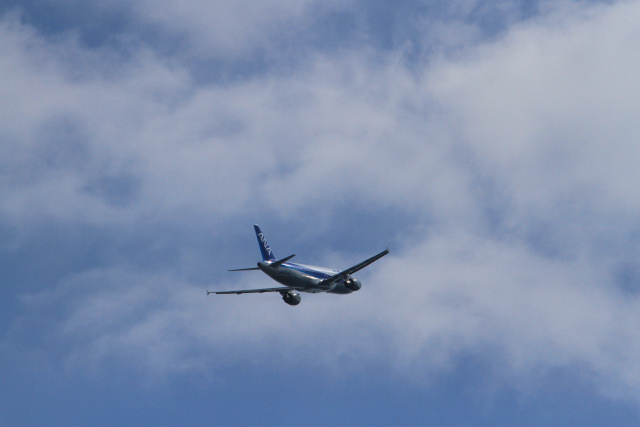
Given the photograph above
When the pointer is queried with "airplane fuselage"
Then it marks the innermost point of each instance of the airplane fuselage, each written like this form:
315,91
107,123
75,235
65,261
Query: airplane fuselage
305,278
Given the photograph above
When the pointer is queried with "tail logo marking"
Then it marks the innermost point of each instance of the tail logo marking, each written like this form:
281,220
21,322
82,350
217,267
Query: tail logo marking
264,243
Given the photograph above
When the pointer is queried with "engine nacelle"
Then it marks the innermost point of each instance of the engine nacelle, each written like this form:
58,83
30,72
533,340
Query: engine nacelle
291,298
352,284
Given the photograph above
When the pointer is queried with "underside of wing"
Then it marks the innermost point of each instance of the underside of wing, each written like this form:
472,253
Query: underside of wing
254,291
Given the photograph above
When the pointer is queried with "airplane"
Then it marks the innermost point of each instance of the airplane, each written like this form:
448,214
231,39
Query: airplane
302,278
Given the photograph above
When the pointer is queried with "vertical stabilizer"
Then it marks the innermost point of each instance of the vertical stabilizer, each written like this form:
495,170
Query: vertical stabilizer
267,254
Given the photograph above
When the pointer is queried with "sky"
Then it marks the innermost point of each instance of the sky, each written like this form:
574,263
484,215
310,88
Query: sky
492,146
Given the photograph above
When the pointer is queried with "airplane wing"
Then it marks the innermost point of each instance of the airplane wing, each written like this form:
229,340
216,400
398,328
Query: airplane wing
343,274
254,291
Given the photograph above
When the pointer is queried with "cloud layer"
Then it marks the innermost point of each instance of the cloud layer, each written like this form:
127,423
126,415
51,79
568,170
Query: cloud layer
510,165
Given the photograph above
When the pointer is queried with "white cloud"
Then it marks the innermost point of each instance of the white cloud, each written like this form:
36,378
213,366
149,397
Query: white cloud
552,108
534,131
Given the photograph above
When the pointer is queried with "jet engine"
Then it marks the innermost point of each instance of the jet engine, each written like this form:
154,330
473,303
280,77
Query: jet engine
291,297
352,284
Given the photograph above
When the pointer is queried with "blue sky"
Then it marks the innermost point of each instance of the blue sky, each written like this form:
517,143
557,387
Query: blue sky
492,146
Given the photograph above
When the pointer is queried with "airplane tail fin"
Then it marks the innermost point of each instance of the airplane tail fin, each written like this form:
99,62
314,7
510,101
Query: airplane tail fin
267,254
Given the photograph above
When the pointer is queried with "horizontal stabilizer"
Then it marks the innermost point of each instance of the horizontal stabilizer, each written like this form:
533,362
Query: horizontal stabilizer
281,261
245,269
